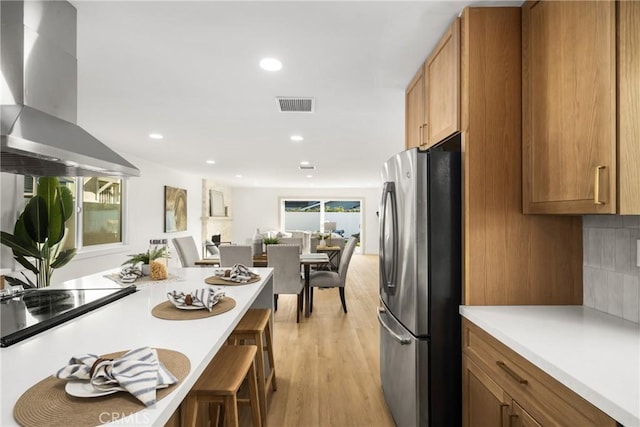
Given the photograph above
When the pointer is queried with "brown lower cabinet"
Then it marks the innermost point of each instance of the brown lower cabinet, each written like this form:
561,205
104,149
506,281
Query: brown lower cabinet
502,389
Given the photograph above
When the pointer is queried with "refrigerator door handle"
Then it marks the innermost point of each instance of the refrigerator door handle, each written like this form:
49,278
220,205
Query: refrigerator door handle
400,338
389,195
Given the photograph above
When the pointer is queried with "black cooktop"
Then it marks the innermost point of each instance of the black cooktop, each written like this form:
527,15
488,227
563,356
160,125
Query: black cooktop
32,311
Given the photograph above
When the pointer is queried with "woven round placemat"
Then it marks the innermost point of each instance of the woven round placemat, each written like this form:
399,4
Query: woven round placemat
47,404
168,311
216,280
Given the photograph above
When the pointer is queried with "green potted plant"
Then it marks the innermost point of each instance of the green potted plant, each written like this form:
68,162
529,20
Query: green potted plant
271,240
321,239
145,258
39,232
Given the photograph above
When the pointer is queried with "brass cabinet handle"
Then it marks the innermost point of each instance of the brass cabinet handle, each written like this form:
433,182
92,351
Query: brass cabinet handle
422,128
596,186
509,371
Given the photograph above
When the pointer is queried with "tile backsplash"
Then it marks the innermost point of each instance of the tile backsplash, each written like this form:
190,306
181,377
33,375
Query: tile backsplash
611,279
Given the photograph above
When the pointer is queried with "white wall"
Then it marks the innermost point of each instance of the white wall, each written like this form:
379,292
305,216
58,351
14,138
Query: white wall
260,208
11,188
145,218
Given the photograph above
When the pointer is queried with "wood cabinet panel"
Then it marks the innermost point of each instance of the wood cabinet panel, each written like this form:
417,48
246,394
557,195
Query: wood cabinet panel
542,397
569,76
510,258
415,111
522,417
484,402
629,107
442,76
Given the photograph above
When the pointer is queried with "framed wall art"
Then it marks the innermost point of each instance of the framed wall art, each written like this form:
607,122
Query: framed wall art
175,209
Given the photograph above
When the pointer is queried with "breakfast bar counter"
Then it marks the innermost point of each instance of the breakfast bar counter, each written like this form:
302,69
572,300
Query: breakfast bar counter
127,324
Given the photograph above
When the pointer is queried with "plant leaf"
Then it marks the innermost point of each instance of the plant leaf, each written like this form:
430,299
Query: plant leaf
14,281
35,219
31,284
56,222
63,258
67,202
18,246
21,235
48,190
26,264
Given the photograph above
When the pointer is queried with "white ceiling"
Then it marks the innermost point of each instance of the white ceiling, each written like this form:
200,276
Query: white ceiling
189,70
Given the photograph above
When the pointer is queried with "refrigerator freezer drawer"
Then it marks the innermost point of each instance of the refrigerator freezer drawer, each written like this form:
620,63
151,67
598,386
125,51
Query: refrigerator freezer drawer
404,372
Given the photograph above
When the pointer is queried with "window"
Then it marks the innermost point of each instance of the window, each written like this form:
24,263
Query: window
99,210
301,215
313,215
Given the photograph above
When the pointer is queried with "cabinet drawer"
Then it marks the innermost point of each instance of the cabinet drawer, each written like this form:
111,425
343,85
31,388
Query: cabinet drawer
546,399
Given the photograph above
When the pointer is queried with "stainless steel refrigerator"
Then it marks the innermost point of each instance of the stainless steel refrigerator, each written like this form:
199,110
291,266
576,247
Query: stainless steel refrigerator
420,285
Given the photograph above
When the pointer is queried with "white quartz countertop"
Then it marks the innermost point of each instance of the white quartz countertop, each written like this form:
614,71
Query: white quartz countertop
593,353
125,324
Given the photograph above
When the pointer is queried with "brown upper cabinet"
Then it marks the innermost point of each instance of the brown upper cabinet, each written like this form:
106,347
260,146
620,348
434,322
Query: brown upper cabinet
509,258
442,77
432,101
581,98
414,110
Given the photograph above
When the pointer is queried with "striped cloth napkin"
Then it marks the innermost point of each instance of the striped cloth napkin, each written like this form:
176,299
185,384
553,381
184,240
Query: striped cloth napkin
138,371
204,297
240,273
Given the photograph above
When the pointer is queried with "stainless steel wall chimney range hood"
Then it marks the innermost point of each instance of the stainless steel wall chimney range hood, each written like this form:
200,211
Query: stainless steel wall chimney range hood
38,96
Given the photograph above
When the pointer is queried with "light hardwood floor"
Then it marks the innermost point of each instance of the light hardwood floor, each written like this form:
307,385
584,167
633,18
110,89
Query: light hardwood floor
327,366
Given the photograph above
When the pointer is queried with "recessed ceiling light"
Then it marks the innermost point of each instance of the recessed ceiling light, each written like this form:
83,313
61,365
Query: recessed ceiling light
270,64
156,136
211,162
304,163
238,176
309,176
296,138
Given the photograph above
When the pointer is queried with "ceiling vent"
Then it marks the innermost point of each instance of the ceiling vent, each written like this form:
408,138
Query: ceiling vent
307,168
295,104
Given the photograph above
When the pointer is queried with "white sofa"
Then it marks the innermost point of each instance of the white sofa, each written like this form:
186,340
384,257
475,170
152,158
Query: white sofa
296,234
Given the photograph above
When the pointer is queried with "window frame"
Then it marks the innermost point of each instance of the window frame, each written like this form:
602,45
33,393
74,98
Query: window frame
104,248
84,252
322,200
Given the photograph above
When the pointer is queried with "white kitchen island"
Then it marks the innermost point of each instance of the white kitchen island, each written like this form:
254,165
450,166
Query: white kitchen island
125,324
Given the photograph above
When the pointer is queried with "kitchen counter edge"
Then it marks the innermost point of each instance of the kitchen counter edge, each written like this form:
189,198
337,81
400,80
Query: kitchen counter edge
552,338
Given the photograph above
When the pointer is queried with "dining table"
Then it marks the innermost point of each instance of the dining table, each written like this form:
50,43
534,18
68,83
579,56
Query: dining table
307,260
334,253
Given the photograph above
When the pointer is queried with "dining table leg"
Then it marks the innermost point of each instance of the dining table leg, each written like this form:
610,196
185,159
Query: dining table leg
307,270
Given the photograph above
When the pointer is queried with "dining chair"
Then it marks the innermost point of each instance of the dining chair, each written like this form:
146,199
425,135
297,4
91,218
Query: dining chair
187,250
333,279
291,241
285,261
231,255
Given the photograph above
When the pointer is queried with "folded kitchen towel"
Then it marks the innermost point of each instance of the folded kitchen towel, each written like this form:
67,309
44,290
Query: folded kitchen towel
204,297
138,371
240,273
